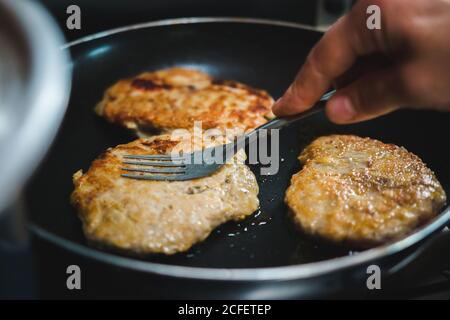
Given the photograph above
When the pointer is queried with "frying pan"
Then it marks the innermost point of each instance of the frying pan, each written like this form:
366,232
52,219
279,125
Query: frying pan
263,256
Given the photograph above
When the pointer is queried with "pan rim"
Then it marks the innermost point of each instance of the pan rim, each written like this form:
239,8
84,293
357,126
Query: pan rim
290,272
189,20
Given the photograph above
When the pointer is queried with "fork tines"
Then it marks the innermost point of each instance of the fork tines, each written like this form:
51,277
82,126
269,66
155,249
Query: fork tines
159,164
153,156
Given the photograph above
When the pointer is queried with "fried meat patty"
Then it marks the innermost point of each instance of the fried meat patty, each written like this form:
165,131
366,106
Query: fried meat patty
159,216
175,98
361,191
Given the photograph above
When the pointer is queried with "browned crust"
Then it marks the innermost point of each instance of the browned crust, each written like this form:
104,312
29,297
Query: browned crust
159,216
362,192
177,97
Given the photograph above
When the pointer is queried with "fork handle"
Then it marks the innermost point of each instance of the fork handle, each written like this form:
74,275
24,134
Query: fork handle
279,123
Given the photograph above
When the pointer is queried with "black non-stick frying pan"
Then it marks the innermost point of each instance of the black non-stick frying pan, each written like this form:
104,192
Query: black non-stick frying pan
263,256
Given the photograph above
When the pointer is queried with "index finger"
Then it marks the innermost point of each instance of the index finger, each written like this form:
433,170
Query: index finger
334,54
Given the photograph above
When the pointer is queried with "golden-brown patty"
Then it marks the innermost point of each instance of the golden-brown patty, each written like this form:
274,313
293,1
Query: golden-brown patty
361,191
159,216
175,98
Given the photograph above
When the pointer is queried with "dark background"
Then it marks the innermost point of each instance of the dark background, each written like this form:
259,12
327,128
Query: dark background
99,15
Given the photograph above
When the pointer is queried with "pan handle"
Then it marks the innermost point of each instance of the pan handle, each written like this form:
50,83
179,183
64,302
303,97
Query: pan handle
432,258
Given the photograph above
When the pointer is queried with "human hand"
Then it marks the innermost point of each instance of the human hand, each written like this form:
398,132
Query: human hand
406,62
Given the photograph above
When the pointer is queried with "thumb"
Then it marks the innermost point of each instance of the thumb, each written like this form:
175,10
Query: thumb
372,95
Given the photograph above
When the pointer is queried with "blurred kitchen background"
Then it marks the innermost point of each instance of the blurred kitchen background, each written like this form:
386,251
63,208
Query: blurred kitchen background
99,15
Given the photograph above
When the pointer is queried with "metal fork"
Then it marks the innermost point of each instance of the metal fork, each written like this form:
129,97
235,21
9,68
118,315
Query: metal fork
203,162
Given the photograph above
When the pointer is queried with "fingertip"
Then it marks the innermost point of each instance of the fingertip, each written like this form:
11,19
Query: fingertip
277,107
340,110
289,104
